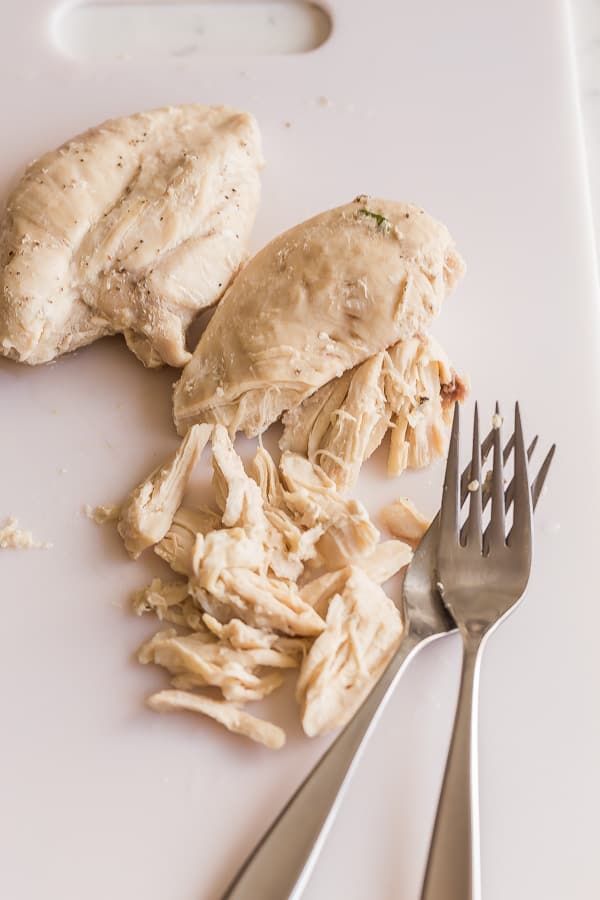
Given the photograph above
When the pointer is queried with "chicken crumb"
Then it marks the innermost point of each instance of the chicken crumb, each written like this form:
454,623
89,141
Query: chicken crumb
496,420
14,538
105,512
473,485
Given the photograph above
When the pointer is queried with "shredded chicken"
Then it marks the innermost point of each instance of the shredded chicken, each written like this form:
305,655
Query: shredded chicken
245,637
216,663
363,630
290,545
362,277
228,548
148,512
409,389
386,560
179,543
171,602
421,388
265,473
341,424
312,495
227,714
319,592
132,227
238,495
240,616
259,600
261,687
402,518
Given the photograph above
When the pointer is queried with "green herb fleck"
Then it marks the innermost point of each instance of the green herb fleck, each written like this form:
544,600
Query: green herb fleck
383,224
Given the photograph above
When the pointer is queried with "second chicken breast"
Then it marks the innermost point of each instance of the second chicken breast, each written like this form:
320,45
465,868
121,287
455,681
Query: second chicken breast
316,301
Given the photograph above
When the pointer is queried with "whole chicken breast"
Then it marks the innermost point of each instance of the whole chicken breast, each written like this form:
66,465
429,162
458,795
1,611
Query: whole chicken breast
318,300
132,227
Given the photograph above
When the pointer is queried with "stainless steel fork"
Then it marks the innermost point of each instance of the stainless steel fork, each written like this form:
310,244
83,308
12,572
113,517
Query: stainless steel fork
281,864
482,575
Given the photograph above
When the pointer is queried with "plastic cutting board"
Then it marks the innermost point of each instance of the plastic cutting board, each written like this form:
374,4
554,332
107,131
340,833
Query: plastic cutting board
470,110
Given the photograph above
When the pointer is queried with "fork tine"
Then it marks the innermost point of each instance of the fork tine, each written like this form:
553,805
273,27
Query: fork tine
520,532
532,447
540,478
485,487
508,448
465,478
449,512
510,490
494,534
473,525
486,445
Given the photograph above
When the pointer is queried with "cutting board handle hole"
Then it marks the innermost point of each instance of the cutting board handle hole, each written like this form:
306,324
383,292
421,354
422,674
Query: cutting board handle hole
96,32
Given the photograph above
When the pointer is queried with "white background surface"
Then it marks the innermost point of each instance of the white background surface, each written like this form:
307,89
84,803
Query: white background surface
467,108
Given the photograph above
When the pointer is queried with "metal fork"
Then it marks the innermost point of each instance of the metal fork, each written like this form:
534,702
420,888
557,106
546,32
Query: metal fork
482,576
281,864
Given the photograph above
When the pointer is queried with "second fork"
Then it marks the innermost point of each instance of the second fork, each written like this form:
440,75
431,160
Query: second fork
482,575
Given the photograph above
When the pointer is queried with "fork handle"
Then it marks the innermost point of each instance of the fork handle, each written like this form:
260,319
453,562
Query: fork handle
453,871
280,865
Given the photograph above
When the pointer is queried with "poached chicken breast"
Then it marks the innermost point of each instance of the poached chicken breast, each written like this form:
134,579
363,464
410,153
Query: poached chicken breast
318,300
134,227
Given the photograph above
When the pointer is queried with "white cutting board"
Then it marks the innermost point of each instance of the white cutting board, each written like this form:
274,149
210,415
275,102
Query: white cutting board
469,109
